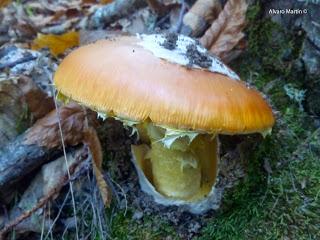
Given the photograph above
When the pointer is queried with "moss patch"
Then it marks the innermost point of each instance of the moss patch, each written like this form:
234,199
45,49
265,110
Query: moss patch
283,203
124,227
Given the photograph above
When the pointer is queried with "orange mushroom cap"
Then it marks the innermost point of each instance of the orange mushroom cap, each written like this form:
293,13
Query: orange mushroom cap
125,77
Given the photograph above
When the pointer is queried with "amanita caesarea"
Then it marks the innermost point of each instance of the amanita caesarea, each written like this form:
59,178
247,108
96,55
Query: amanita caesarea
177,97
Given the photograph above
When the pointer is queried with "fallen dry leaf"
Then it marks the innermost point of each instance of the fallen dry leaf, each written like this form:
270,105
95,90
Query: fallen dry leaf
53,14
19,97
56,43
39,103
92,140
3,3
226,32
202,13
45,132
105,1
157,7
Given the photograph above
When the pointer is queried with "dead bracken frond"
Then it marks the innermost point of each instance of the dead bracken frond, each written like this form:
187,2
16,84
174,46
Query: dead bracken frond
226,31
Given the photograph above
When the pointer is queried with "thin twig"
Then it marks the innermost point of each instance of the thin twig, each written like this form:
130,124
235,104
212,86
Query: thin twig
124,195
183,9
64,180
27,214
57,217
19,61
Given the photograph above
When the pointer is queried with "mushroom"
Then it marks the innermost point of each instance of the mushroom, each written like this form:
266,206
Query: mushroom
176,96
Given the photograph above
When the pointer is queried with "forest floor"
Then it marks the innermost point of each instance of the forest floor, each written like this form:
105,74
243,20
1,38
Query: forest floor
277,198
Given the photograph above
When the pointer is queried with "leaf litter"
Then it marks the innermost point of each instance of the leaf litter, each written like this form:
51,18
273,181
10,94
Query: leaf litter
55,25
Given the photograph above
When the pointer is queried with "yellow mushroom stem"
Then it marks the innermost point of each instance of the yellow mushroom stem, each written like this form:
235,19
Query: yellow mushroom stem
186,170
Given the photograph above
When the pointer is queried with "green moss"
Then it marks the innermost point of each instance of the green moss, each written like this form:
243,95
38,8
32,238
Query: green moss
283,204
123,227
25,120
270,46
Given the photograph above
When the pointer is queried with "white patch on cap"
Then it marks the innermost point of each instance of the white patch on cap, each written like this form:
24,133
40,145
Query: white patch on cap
155,42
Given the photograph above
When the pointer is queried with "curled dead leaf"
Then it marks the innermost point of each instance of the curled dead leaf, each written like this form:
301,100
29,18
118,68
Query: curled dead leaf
226,32
105,1
56,43
92,140
202,13
3,3
39,103
21,101
45,132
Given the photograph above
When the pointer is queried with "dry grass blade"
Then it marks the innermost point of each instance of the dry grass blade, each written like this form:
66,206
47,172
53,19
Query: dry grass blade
92,140
226,32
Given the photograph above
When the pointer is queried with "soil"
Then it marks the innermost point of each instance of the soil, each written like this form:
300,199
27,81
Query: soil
117,141
197,58
170,42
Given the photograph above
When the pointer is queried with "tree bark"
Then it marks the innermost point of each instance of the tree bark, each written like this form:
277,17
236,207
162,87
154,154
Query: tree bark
17,160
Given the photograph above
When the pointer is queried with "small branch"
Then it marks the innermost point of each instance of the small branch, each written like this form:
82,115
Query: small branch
17,160
178,26
26,214
62,180
19,61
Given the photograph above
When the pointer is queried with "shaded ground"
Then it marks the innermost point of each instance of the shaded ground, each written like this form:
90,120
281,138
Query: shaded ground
279,198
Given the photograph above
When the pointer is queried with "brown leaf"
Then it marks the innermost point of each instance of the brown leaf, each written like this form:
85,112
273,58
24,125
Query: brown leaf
226,32
56,43
19,96
92,140
157,7
202,13
105,1
45,132
3,3
39,103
